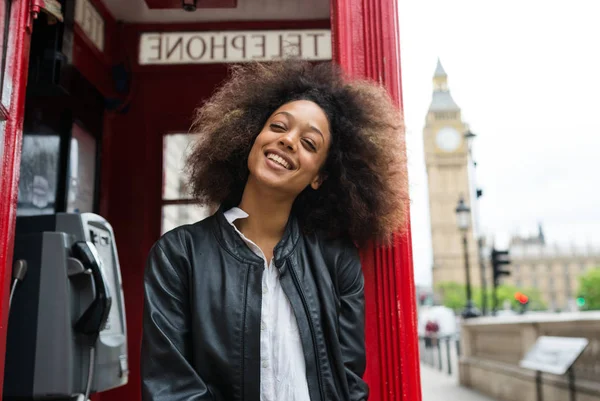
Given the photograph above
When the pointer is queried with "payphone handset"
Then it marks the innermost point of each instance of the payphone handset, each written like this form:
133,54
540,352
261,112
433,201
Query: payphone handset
95,316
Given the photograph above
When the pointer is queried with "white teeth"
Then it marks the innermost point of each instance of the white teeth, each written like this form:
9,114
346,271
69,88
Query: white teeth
279,160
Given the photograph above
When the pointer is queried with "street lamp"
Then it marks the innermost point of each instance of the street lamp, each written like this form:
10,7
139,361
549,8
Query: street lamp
469,137
463,220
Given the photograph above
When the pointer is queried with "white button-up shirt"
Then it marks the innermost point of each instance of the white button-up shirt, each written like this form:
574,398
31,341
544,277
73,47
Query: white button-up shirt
282,368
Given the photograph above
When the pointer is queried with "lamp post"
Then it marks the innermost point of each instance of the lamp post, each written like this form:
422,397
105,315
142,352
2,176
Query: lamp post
469,136
463,219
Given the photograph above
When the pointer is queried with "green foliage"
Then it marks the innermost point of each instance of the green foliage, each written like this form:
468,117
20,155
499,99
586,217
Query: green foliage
454,296
589,289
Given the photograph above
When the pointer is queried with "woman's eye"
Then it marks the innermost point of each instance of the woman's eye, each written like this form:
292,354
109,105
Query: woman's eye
309,143
278,127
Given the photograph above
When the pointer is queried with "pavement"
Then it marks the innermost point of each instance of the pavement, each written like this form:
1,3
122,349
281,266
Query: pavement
439,386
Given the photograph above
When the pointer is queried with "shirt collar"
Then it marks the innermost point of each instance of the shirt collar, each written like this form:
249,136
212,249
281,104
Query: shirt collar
235,213
230,238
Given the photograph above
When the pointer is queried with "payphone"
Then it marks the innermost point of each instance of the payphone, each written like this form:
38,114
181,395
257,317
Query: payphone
67,335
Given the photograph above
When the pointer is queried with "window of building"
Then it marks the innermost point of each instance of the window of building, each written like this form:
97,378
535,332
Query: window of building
446,115
567,281
178,207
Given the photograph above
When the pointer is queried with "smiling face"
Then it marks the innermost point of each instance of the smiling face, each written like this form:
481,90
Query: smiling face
291,149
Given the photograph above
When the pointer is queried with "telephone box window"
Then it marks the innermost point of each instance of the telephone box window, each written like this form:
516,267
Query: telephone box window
4,25
178,207
39,174
82,171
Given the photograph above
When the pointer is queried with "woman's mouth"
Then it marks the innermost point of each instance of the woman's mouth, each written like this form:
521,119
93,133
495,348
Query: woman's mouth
279,160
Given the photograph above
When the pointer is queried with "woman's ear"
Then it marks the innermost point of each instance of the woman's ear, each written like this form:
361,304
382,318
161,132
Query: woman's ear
317,181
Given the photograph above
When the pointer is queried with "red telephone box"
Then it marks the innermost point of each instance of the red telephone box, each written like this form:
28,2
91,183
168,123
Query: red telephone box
151,63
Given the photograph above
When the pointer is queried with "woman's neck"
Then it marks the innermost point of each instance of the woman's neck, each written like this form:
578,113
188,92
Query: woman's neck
268,215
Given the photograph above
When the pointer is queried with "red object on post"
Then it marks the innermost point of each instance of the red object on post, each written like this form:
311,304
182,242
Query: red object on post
522,298
366,44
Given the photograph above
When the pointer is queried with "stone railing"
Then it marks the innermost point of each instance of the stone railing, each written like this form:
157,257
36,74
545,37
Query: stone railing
493,347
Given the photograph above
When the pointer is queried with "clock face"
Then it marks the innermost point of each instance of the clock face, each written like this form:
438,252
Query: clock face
448,139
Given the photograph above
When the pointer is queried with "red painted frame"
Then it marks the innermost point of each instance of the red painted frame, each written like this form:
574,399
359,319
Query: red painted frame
366,41
366,44
15,81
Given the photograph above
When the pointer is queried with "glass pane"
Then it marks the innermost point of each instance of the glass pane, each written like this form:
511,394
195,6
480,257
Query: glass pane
4,24
177,215
39,174
176,148
82,171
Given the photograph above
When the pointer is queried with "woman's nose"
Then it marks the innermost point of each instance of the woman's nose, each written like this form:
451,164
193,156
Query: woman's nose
289,140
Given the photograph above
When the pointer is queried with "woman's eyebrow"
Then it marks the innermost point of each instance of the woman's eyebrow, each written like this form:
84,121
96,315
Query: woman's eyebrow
283,112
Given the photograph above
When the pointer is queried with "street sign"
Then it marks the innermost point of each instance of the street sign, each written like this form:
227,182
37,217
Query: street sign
554,354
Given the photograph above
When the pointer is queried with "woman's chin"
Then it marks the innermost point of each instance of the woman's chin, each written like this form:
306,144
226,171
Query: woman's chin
275,183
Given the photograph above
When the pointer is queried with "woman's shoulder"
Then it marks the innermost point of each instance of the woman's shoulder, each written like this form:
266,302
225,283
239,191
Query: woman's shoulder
335,250
182,237
341,259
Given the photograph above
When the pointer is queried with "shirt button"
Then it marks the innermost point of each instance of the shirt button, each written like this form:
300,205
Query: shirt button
265,364
263,326
265,290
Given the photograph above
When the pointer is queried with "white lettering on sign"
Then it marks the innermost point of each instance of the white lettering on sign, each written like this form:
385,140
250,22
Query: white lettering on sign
233,46
91,22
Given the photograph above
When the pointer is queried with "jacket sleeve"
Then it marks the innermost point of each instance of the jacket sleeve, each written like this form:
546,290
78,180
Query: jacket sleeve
352,323
167,374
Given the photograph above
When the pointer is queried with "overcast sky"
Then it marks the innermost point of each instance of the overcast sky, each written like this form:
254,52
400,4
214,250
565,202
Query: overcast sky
526,75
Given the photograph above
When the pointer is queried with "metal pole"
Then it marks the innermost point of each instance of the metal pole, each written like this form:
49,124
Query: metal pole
468,273
439,351
538,385
494,298
448,357
483,278
572,390
475,195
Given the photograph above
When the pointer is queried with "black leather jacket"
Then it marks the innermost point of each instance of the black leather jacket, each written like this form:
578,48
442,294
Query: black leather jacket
202,312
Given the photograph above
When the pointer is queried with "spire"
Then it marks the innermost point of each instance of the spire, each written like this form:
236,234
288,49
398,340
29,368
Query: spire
439,70
441,99
541,236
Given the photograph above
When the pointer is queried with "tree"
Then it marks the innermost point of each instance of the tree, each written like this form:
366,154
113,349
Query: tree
454,296
589,290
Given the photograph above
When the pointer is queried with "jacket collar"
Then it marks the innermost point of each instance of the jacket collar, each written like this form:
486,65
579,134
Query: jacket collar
231,240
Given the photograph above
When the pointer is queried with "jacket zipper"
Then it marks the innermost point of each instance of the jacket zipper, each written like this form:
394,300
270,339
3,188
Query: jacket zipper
243,330
312,330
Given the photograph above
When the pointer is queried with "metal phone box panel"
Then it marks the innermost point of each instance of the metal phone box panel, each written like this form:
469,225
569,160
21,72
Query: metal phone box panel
65,306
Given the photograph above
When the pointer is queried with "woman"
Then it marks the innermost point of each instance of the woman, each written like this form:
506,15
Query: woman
264,299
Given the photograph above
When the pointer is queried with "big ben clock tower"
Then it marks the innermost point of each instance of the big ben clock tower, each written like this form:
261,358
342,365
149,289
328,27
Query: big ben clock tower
446,159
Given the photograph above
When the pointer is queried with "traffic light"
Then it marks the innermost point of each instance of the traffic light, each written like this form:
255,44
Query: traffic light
581,302
499,259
